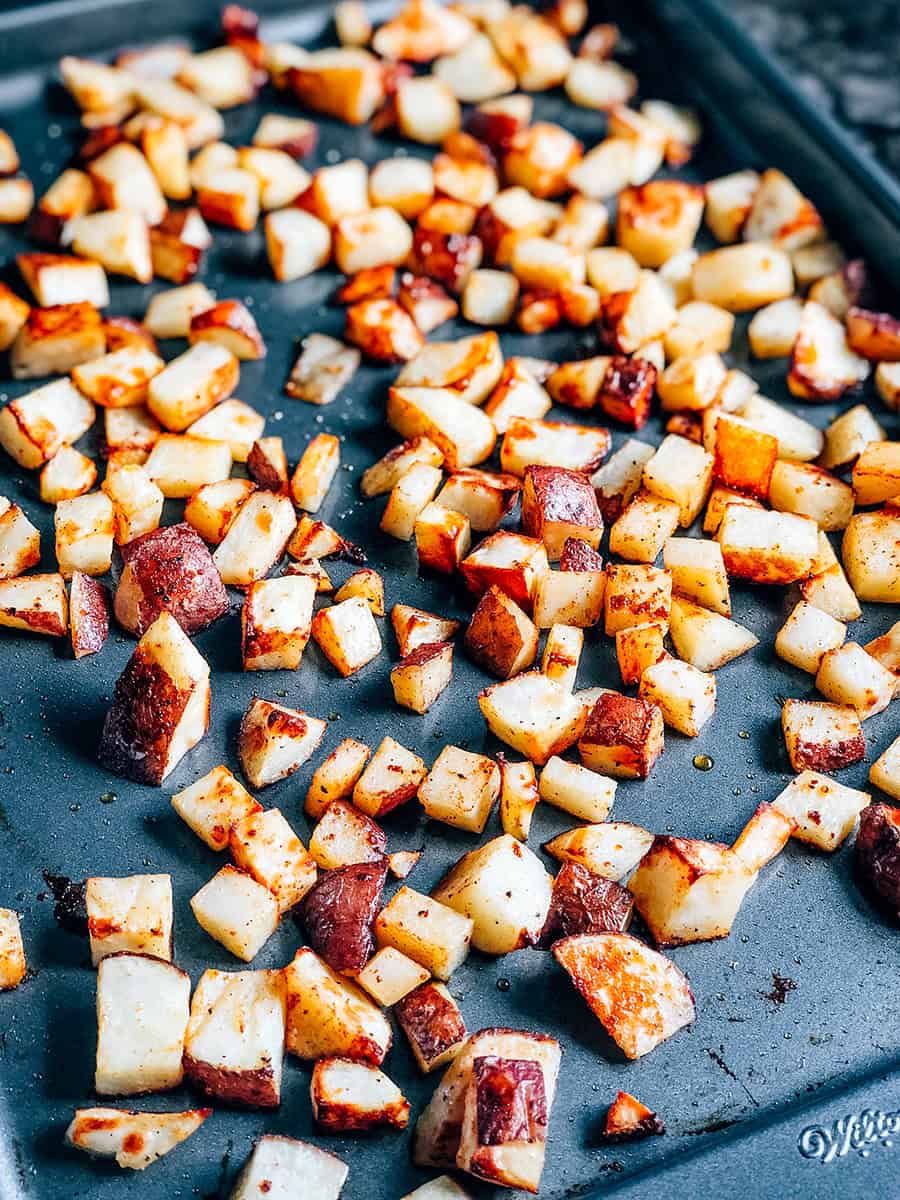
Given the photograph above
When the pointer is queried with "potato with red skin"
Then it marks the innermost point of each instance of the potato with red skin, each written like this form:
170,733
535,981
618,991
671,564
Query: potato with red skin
583,902
627,390
558,504
878,854
88,615
432,1023
339,912
578,555
628,1120
501,638
511,1104
448,258
169,570
874,335
623,736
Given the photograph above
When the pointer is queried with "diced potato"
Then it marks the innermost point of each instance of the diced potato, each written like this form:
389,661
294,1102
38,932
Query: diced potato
558,504
137,502
885,771
13,966
413,628
742,278
876,473
806,635
433,1024
636,594
123,179
569,597
425,930
349,1096
344,837
169,314
641,530
797,439
391,778
688,890
611,849
533,714
680,471
705,639
763,837
824,812
519,798
552,444
700,330
658,220
256,538
327,1014
420,677
212,804
71,194
640,997
231,325
562,652
443,538
84,534
577,790
13,315
886,649
192,384
848,436
638,648
139,1044
620,477
501,637
848,675
20,541
820,736
509,561
265,846
869,551
698,572
406,185
823,367
629,320
297,242
134,1140
180,465
274,741
767,547
812,492
237,911
463,434
774,329
686,696
484,497
460,789
35,603
504,889
887,384
130,915
281,1165
347,635
390,975
781,214
745,457
728,203
64,279
118,239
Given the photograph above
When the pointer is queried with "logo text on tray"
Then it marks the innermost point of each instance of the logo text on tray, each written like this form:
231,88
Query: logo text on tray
853,1133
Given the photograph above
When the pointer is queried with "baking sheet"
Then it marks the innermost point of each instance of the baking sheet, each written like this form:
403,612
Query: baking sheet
734,1089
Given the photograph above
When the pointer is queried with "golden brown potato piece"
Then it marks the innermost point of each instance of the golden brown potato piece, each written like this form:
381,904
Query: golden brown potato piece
501,637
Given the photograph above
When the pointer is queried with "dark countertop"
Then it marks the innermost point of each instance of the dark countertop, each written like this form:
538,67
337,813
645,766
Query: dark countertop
846,57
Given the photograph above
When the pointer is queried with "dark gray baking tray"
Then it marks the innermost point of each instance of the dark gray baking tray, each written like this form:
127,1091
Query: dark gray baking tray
765,1061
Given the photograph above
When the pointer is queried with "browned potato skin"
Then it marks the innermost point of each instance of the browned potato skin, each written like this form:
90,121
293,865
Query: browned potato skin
243,1089
144,714
372,283
874,335
124,333
429,1021
629,1120
579,556
828,756
557,494
492,638
268,471
335,1117
339,912
583,902
511,1107
233,316
622,721
448,258
88,615
878,854
628,388
169,570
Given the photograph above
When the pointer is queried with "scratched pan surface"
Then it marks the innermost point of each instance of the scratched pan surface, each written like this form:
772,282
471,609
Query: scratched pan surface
736,1090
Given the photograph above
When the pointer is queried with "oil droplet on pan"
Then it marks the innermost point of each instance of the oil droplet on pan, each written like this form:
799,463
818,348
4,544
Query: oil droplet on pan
703,762
503,985
743,734
108,798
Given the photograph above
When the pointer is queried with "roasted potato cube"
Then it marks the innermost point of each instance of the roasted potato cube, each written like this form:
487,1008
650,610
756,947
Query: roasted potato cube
504,889
54,340
297,243
349,1096
807,635
131,915
64,279
386,474
70,195
628,320
237,911
811,492
552,444
170,313
145,741
345,837
558,504
824,812
623,736
870,555
347,635
425,930
383,330
877,852
13,315
233,422
265,846
230,196
728,203
118,239
688,890
501,637
374,238
123,179
628,1120
886,649
426,109
192,384
519,797
403,862
464,435
483,497
460,789
34,603
780,214
476,72
489,297
584,903
742,278
327,1014
134,1139
767,547
876,473
433,1024
256,538
12,950
576,790
849,675
639,997
315,472
533,714
763,837
281,178
658,220
627,390
745,457
168,570
345,83
88,615
267,464
324,366
680,471
280,1165
821,736
339,912
16,200
638,648
413,628
294,135
229,1058
390,975
848,435
180,465
214,506
620,477
120,379
645,525
231,325
569,597
212,804
518,394
274,741
406,185
636,594
443,538
20,541
84,534
470,367
823,367
610,850
685,695
139,1044
391,778
705,639
421,676
887,384
562,652
698,572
